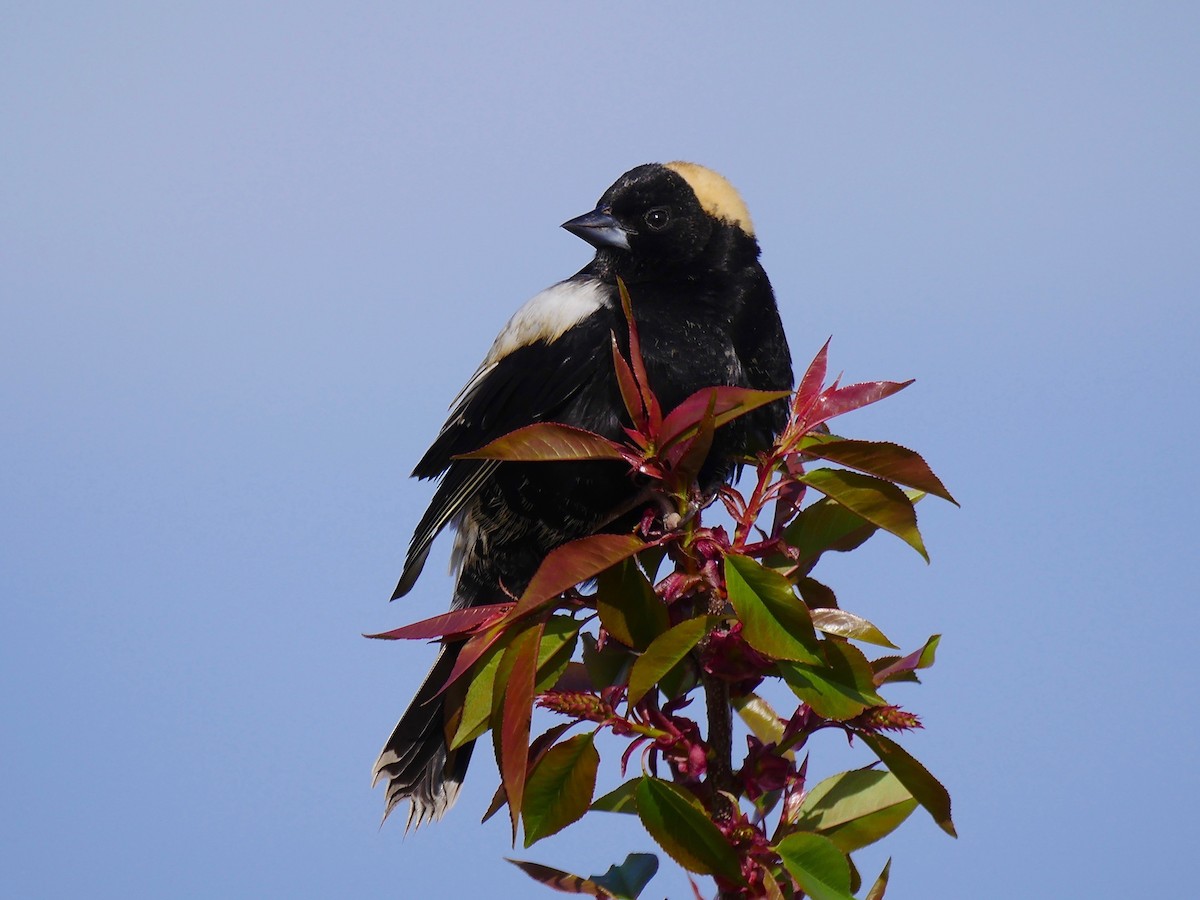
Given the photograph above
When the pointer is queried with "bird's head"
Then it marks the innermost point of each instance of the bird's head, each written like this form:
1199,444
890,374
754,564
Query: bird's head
657,218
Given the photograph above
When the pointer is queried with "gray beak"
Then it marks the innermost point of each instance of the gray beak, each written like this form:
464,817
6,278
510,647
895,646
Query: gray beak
599,229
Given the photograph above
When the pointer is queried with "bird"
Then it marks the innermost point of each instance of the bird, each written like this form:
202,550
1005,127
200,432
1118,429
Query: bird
680,237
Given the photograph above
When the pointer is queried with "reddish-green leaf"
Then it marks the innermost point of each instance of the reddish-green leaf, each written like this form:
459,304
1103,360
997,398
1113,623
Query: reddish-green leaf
882,459
623,882
815,594
664,652
879,888
560,787
774,620
728,403
460,621
879,502
518,705
857,808
548,442
848,625
841,688
894,669
629,609
684,830
570,564
817,865
930,792
559,880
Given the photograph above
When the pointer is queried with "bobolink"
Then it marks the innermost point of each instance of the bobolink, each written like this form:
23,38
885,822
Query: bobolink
680,237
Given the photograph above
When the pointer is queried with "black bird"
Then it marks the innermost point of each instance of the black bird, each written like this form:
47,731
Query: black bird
681,238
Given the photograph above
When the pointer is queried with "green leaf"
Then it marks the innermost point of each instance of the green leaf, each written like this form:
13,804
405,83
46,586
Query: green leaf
572,563
817,865
881,459
930,792
684,831
477,707
879,502
606,667
651,559
664,652
629,609
558,646
761,718
537,749
840,689
547,442
560,787
826,525
848,625
774,621
879,888
619,800
857,808
627,880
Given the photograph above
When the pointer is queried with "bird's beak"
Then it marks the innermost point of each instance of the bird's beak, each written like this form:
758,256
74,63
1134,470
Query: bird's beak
599,229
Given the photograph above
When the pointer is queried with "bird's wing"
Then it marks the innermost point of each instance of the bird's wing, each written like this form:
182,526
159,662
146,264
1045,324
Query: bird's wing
531,375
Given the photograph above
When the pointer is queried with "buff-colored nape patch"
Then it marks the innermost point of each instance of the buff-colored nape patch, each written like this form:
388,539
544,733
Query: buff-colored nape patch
717,196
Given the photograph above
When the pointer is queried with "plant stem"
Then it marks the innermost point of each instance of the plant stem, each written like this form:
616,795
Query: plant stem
720,735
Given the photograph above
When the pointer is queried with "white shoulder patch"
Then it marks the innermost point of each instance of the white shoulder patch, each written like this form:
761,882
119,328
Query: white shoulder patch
547,316
717,196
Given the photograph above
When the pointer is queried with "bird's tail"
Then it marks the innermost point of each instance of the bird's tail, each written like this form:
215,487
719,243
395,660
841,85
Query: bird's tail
417,763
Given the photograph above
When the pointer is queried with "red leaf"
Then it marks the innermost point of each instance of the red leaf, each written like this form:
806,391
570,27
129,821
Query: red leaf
810,384
628,386
568,565
729,403
460,621
514,730
548,442
649,401
837,401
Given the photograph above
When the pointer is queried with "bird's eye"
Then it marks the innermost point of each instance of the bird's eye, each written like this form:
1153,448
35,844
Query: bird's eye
658,218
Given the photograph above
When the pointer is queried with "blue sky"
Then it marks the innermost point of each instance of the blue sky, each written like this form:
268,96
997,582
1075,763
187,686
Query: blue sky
248,255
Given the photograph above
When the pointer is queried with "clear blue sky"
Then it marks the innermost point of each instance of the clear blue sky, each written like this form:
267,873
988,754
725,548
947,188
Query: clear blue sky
248,255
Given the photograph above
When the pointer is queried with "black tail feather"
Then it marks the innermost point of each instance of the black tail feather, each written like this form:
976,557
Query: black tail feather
416,762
